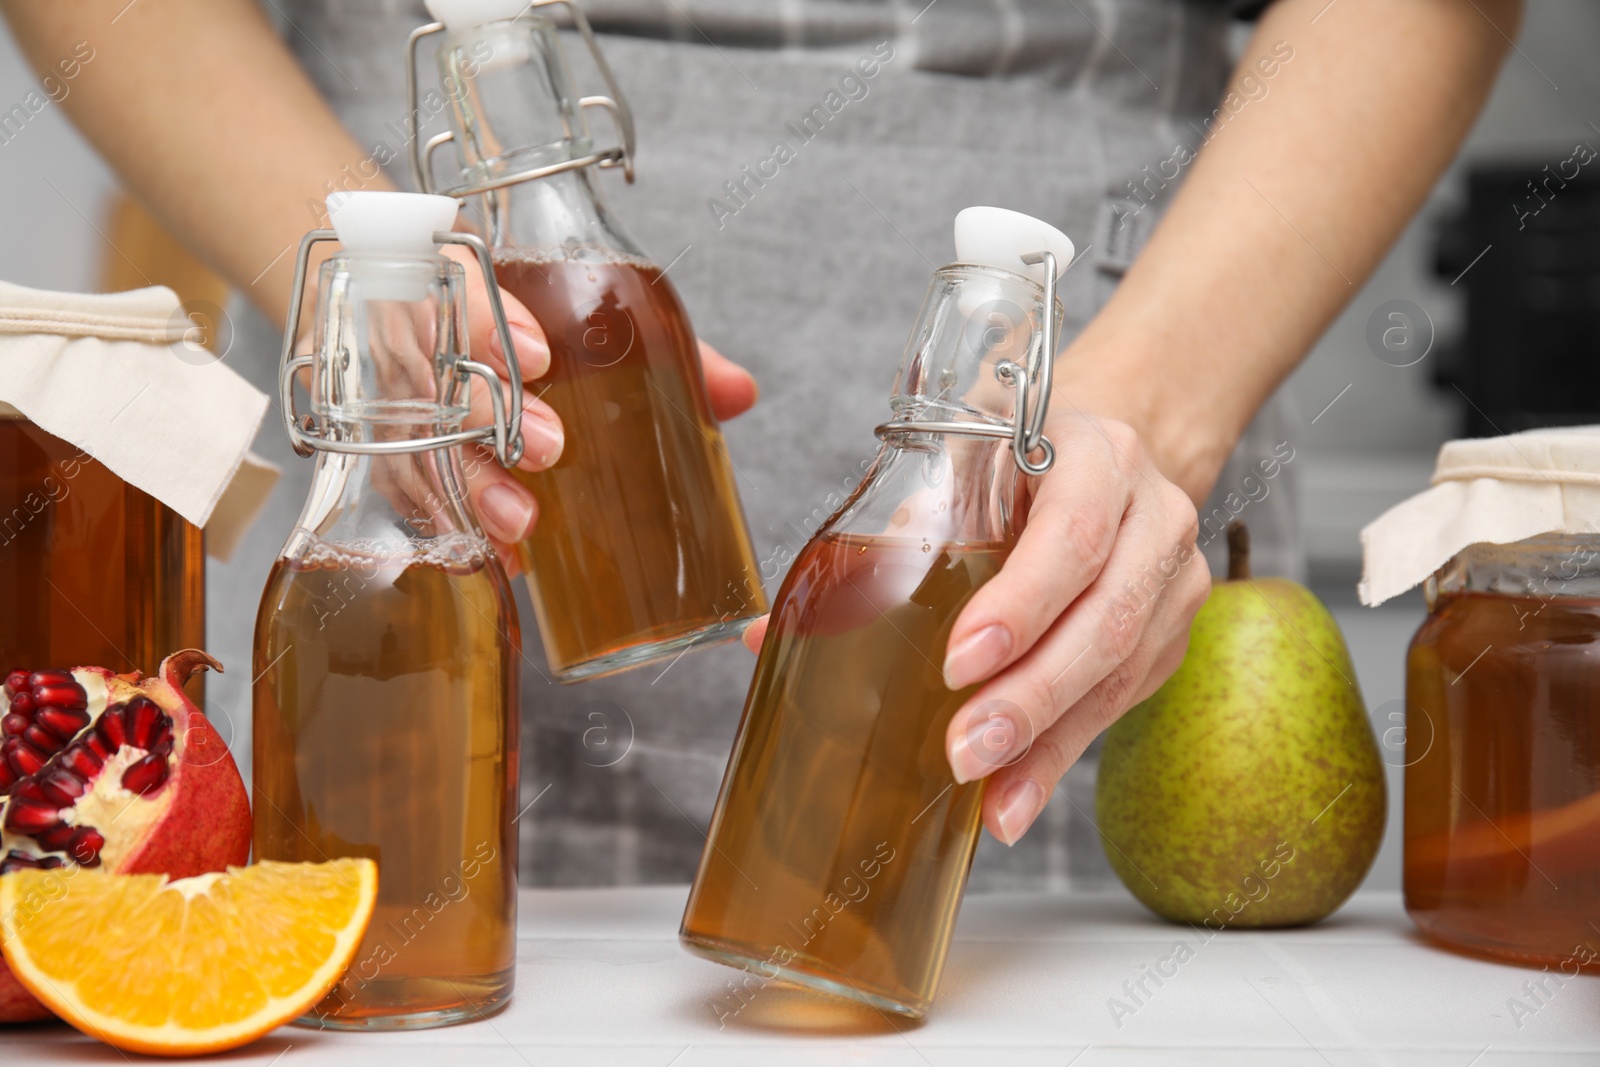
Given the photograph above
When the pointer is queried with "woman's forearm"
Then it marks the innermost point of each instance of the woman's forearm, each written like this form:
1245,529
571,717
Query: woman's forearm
209,121
1288,208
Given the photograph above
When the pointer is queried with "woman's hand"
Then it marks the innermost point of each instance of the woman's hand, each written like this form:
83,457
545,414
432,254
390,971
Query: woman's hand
1089,615
505,506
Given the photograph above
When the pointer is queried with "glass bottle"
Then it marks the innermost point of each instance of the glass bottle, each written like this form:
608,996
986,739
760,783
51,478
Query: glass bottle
641,548
1502,797
839,848
387,642
97,570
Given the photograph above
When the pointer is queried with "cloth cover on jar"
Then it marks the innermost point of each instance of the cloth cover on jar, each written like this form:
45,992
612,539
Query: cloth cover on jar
1495,490
119,376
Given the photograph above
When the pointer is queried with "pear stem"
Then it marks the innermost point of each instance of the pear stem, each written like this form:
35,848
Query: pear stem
1238,552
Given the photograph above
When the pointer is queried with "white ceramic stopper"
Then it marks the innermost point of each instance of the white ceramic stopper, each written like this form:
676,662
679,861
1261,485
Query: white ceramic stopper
997,237
462,14
390,223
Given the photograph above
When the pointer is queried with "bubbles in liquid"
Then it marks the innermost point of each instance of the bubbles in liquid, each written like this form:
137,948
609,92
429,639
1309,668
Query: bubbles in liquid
926,547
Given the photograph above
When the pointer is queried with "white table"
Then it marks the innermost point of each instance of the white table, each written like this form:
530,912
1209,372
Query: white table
602,981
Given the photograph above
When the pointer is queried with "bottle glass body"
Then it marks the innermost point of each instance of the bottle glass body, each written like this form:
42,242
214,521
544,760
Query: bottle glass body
100,572
839,848
386,663
641,549
1502,732
840,845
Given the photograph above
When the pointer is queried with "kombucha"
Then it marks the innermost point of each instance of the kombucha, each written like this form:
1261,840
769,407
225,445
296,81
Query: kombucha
97,571
841,843
385,714
1502,814
641,548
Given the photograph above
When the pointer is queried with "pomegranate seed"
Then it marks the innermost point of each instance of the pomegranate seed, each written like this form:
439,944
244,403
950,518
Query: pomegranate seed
143,717
111,728
61,786
70,695
16,682
81,760
57,838
25,759
164,746
8,777
17,860
86,845
22,702
25,816
42,739
96,744
55,677
29,788
51,863
14,723
145,774
63,722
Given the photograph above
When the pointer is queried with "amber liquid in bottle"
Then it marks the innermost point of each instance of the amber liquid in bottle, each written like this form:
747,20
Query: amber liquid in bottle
840,794
1502,814
381,729
641,547
98,573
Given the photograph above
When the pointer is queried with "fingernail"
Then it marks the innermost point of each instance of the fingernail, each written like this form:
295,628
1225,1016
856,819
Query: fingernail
509,511
977,657
990,740
1018,808
533,354
544,436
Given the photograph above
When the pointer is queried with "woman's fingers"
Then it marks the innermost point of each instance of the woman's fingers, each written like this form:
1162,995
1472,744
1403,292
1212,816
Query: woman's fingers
1017,793
543,436
1072,525
756,633
533,352
731,389
506,509
1120,635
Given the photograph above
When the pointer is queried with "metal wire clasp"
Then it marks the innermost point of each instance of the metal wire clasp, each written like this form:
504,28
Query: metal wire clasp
306,434
1033,385
616,105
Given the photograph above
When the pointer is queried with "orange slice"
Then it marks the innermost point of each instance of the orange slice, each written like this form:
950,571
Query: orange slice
189,966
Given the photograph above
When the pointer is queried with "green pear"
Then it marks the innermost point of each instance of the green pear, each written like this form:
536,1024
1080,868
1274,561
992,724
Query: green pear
1248,790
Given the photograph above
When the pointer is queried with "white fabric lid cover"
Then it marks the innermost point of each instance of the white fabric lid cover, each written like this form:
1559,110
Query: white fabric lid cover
999,237
1495,490
116,375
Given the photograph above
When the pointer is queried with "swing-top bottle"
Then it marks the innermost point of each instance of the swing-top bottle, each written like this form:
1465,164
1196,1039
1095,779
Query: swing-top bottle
387,647
839,847
641,549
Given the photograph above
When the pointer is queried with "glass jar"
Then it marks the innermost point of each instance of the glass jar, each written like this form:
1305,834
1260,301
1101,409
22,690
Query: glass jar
1502,791
98,572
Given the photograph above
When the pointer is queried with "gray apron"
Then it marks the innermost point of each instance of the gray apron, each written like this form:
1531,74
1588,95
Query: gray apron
810,277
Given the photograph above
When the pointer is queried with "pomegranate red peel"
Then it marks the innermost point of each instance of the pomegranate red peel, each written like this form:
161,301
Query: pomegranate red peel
123,771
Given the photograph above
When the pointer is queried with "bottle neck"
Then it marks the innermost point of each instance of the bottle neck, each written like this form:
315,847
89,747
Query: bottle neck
563,210
407,505
938,489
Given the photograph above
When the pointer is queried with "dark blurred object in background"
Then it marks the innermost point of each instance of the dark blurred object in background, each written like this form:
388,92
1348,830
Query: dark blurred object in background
1529,244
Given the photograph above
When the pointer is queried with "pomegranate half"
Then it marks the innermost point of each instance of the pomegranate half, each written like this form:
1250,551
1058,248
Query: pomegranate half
114,770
